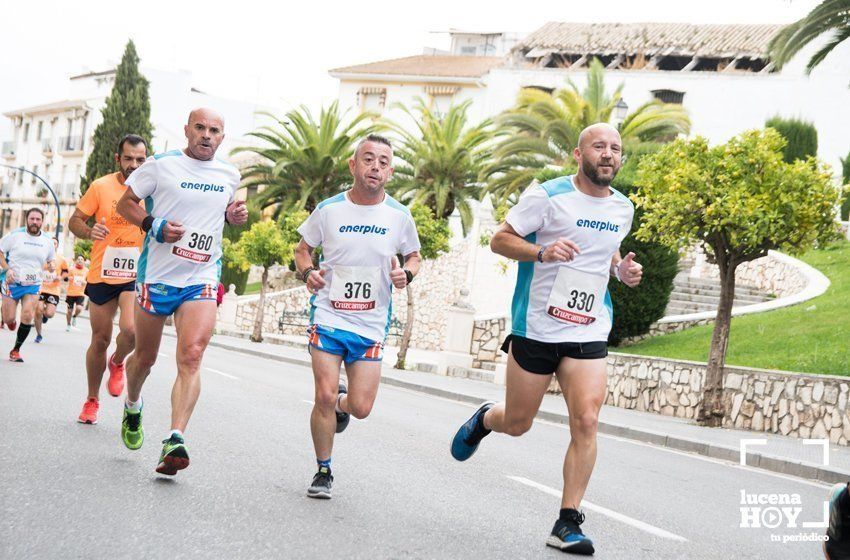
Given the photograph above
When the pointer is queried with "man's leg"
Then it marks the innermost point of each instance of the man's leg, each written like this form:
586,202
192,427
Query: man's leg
39,314
29,302
100,318
78,309
195,322
323,417
364,378
583,383
140,362
69,313
9,309
49,309
524,392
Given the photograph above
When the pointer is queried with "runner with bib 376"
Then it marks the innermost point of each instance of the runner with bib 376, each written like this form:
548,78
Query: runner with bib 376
188,196
566,235
360,232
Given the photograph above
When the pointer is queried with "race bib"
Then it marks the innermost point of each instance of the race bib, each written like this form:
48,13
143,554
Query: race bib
48,277
354,288
120,262
195,246
28,277
577,297
79,280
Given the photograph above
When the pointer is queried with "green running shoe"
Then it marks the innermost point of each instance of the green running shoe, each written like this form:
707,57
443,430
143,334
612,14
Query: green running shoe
131,429
174,456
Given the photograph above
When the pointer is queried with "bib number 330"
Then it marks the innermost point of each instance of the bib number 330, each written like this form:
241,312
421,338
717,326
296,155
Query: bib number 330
577,297
353,288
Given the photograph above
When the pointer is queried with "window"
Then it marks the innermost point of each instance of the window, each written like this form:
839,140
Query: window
372,99
39,130
669,96
5,221
26,132
468,50
441,98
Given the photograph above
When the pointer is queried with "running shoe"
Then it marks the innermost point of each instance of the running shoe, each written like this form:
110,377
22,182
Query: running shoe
838,531
43,320
115,385
15,356
74,321
174,456
89,413
132,432
321,486
466,440
567,536
38,338
342,418
13,326
68,328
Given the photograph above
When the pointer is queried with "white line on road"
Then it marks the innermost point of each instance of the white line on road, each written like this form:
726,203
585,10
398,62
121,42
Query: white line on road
652,529
163,355
222,373
308,402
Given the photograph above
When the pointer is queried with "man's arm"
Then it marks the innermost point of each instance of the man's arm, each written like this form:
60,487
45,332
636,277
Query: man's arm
77,225
164,231
626,269
304,264
10,276
508,243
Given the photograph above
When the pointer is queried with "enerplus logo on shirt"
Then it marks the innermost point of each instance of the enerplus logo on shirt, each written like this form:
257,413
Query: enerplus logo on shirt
364,229
598,225
203,187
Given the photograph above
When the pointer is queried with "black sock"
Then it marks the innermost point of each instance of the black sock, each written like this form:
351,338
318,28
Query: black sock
568,514
23,333
479,430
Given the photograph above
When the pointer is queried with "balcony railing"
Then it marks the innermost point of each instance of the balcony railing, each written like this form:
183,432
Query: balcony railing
47,145
71,143
8,149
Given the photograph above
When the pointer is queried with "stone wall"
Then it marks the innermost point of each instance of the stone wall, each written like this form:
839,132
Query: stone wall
795,404
487,336
294,299
770,274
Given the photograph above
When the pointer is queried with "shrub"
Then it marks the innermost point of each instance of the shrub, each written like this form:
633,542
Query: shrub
801,137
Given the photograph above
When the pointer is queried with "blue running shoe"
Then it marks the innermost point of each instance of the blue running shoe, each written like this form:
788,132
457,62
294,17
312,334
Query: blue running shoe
567,536
466,440
342,418
38,338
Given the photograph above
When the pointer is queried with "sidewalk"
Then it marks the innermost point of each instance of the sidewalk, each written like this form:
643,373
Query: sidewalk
778,454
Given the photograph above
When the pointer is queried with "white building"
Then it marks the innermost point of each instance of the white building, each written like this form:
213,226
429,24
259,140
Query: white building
54,139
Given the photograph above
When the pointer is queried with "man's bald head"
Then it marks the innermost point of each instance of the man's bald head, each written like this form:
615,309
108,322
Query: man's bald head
593,130
599,154
205,132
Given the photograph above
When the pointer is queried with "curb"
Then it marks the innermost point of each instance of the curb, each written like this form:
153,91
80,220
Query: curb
766,462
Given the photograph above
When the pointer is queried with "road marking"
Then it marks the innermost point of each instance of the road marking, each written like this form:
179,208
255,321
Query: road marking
651,529
163,355
222,373
308,402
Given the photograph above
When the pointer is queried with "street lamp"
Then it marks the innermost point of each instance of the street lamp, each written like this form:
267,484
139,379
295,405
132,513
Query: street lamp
621,109
55,198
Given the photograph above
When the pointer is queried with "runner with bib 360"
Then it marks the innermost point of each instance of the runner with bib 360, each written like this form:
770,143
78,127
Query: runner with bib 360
188,196
360,232
111,280
566,235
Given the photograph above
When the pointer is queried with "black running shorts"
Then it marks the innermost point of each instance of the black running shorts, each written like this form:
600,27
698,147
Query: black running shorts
543,357
100,292
50,299
74,300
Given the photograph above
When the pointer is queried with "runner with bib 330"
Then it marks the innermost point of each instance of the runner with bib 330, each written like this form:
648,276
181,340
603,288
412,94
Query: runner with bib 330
360,232
566,235
188,195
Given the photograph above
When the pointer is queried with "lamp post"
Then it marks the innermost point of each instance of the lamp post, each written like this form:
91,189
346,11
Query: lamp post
55,198
621,109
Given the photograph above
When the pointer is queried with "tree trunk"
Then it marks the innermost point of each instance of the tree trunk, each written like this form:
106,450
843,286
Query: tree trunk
257,335
408,331
713,406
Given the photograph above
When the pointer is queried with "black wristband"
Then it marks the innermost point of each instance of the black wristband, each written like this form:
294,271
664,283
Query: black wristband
147,223
540,253
306,273
409,275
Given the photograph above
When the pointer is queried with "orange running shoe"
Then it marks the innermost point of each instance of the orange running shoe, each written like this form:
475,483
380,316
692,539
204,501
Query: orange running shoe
115,385
15,356
89,413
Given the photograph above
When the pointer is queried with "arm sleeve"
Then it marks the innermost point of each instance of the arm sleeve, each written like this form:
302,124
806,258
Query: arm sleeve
311,229
88,204
143,180
409,241
531,212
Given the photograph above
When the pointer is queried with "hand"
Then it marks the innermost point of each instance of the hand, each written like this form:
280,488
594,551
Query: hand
172,232
10,276
236,213
630,271
51,267
562,250
397,275
99,231
316,281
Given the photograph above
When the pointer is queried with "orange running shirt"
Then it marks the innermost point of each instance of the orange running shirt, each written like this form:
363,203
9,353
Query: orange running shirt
52,283
113,260
76,280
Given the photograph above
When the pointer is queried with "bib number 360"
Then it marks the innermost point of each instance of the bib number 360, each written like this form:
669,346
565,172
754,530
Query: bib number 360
353,288
577,297
196,246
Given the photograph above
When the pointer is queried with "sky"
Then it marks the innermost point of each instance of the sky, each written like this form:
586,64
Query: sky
279,54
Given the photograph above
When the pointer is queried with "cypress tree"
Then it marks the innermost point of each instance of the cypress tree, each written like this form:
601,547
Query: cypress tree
127,111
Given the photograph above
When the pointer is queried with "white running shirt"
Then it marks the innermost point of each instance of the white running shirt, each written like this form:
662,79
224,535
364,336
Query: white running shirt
27,254
567,302
194,193
358,243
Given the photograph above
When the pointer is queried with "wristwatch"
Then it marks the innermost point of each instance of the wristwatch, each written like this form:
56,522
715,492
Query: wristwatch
409,275
540,253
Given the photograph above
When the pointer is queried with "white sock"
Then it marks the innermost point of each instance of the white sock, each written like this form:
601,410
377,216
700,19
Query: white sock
336,406
133,406
175,432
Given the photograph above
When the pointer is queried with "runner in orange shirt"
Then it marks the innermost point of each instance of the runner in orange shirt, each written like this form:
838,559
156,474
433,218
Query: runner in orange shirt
51,290
112,274
75,294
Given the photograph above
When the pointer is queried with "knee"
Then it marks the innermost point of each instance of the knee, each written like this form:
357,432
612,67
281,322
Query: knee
326,398
189,357
128,334
517,426
49,312
99,342
359,410
143,360
584,425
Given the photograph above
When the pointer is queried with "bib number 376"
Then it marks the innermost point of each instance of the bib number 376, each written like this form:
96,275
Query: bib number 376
577,297
353,288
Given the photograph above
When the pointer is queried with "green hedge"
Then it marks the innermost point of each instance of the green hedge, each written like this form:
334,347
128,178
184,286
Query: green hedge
845,180
233,233
802,137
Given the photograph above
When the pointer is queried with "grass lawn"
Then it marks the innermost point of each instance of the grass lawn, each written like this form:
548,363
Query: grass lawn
793,338
252,288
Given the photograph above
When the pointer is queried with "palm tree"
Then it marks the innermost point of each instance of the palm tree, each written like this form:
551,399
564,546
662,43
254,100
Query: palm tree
303,161
546,126
830,15
443,161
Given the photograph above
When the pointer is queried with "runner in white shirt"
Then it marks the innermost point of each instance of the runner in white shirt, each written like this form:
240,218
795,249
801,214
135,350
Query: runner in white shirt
187,195
23,255
360,232
566,235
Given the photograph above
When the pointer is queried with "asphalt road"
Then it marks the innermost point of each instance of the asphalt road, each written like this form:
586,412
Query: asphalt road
69,490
